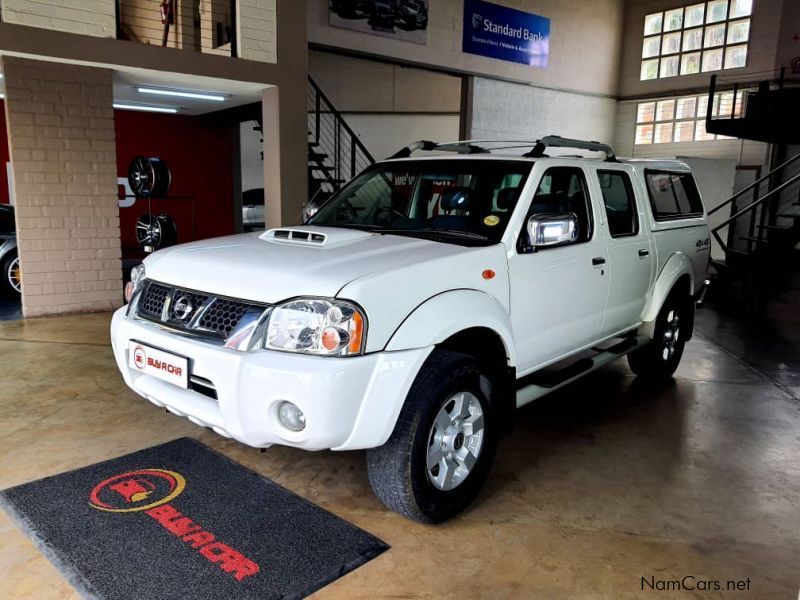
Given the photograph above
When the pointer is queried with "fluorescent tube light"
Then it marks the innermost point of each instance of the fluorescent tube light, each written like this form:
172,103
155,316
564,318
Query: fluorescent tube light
181,94
142,107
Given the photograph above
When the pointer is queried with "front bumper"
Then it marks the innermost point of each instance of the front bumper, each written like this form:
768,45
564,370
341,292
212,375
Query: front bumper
348,403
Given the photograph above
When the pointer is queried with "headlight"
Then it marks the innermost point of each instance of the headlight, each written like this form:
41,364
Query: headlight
317,326
137,277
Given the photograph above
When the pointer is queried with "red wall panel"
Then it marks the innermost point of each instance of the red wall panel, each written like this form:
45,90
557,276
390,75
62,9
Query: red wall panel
3,155
199,153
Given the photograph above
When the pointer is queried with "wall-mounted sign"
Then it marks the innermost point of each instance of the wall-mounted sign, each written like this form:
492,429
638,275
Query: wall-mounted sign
505,33
405,20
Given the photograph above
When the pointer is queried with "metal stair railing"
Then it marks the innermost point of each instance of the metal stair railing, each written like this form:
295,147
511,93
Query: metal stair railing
336,154
749,209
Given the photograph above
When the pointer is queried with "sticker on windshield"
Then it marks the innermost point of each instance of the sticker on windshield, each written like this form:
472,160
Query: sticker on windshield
491,220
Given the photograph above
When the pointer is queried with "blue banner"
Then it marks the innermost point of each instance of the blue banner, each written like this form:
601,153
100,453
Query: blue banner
505,33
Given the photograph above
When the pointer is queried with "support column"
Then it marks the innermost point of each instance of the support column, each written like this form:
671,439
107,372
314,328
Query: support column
285,122
63,154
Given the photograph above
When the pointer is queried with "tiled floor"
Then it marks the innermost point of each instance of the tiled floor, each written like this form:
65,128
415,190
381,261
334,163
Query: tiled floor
602,484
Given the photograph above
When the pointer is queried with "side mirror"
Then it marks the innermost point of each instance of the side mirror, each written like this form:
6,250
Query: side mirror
552,229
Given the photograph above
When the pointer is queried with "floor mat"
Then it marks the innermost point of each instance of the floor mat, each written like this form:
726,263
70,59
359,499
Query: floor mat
182,521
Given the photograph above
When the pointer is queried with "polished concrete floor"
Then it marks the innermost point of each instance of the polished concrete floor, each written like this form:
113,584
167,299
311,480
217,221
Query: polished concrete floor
601,485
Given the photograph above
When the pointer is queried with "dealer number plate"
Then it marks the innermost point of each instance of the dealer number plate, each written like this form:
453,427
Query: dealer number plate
159,364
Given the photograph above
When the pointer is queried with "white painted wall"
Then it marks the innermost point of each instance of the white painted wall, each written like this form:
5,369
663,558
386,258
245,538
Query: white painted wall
252,164
503,110
384,135
585,43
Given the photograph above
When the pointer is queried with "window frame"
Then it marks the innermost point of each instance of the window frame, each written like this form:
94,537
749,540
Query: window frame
672,216
703,28
628,183
521,246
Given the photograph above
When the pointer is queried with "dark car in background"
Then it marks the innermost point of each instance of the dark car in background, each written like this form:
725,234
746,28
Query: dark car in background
411,14
382,14
350,9
10,273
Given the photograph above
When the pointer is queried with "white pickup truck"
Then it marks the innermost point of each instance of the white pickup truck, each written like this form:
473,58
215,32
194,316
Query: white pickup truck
420,306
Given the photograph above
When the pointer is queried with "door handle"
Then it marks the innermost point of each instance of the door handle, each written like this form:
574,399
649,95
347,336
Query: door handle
598,260
643,253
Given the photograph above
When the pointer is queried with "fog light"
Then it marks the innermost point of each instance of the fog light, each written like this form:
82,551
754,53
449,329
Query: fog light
291,417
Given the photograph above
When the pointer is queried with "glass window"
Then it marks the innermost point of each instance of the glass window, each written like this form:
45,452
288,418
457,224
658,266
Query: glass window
620,203
690,63
652,23
673,195
651,46
665,110
649,69
669,66
677,36
693,39
664,132
715,36
646,112
684,131
673,19
686,108
717,11
671,43
700,133
735,57
430,198
563,190
741,8
644,134
695,15
683,119
712,60
738,31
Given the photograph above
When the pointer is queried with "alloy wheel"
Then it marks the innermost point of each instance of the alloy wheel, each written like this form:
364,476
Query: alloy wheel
455,441
15,275
672,331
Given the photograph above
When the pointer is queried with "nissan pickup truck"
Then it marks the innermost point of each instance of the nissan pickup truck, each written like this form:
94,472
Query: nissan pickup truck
421,305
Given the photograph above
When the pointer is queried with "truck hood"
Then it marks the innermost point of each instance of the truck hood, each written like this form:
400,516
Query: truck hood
285,263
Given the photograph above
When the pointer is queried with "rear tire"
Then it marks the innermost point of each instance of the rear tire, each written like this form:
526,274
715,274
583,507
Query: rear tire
658,360
443,445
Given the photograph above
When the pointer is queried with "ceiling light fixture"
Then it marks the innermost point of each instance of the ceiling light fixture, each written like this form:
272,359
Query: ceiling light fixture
181,94
142,107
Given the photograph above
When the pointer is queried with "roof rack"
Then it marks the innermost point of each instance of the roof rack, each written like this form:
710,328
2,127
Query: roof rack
478,147
556,141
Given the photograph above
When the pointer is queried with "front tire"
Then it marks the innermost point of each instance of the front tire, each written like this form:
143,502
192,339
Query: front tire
658,360
442,448
10,275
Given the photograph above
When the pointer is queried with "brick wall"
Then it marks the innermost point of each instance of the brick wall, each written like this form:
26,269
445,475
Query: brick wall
257,26
87,17
61,137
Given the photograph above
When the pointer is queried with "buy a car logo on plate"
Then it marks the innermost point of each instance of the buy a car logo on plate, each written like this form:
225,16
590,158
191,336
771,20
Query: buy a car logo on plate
162,365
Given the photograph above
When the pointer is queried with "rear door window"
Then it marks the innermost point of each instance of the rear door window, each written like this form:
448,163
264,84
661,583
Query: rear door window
673,195
620,203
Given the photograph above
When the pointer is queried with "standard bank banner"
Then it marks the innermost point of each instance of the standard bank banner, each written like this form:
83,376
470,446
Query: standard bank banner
505,33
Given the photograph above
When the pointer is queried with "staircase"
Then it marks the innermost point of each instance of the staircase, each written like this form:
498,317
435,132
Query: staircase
761,235
335,152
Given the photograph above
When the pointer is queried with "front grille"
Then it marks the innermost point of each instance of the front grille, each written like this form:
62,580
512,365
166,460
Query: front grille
194,312
223,316
153,298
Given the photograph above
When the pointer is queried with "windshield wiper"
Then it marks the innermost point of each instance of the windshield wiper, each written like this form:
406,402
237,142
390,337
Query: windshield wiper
433,231
363,226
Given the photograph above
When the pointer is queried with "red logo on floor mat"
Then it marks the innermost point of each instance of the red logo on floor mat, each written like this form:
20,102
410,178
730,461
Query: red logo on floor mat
150,490
137,490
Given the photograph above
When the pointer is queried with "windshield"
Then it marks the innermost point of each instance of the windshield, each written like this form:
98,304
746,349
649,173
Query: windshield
446,198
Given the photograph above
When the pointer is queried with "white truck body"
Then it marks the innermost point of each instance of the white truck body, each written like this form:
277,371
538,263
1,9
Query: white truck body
544,306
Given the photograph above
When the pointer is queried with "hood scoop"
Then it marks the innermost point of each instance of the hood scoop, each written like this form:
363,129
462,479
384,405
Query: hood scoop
313,236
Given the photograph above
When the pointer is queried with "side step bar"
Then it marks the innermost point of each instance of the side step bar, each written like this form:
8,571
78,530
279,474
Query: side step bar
546,381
